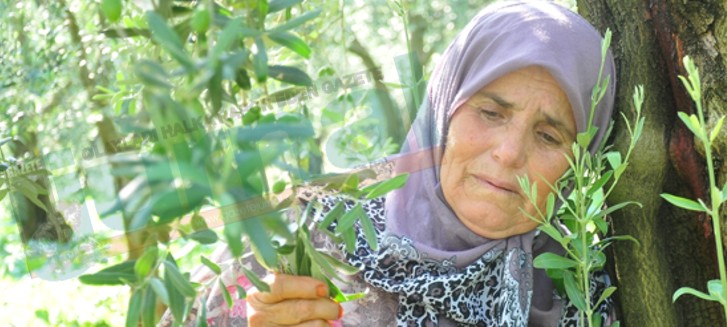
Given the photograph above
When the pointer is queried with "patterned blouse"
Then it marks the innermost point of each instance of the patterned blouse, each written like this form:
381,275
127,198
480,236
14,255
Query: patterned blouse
376,308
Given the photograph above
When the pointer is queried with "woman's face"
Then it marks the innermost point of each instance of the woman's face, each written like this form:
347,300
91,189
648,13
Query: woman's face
521,124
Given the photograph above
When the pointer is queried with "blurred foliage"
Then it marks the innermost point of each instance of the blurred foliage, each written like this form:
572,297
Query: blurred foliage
126,121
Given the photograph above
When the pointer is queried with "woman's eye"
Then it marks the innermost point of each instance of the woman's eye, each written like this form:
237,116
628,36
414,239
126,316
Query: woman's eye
549,138
490,114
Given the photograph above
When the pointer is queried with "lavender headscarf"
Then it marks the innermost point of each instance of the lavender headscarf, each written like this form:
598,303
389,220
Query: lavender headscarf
502,38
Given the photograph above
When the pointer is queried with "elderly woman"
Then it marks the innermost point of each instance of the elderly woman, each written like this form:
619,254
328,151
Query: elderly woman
455,248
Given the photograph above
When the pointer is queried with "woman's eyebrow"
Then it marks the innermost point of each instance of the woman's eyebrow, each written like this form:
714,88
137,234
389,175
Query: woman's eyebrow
499,100
558,124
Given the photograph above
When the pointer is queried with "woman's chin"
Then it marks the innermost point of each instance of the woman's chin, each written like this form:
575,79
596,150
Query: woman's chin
495,224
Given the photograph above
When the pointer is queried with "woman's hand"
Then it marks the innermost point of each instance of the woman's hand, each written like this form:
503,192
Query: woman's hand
292,301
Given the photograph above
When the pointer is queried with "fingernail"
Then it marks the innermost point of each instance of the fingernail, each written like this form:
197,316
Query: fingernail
321,291
340,311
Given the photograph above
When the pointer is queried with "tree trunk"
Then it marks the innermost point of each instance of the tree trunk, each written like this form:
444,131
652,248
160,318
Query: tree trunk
676,248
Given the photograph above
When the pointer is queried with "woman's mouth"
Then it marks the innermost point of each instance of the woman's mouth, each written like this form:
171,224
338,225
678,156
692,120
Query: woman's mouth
497,185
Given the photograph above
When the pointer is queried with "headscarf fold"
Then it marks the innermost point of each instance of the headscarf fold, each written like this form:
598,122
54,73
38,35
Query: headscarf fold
502,38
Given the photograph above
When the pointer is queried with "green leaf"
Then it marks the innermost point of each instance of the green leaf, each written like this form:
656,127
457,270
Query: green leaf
614,159
242,79
278,5
332,215
255,280
233,235
716,129
211,265
715,289
615,207
168,39
575,295
292,42
204,237
605,294
599,183
290,75
683,202
178,280
152,74
550,205
118,274
604,242
172,203
553,261
349,239
148,308
198,223
691,291
200,21
146,262
339,265
227,37
260,243
724,192
111,9
601,224
350,184
5,140
596,319
297,21
262,8
241,293
226,294
369,231
214,89
26,187
692,122
349,218
584,139
381,188
177,302
158,286
553,233
132,316
260,61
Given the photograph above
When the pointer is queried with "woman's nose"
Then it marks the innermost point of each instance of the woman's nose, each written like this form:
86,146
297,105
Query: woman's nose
510,149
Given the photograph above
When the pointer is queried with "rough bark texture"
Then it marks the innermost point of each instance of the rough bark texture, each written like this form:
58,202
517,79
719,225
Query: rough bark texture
650,39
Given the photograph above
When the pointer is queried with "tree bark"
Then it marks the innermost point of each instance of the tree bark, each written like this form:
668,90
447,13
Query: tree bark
650,39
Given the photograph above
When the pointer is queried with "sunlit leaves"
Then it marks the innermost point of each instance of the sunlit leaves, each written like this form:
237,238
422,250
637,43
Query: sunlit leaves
278,5
683,202
553,261
181,283
291,42
118,274
295,22
290,75
381,188
134,311
260,60
168,39
111,9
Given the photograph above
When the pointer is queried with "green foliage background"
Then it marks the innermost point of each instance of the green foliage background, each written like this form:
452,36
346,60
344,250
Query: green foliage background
82,91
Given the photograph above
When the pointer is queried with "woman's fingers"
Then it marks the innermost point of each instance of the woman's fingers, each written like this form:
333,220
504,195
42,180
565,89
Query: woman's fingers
312,323
294,312
292,301
293,287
